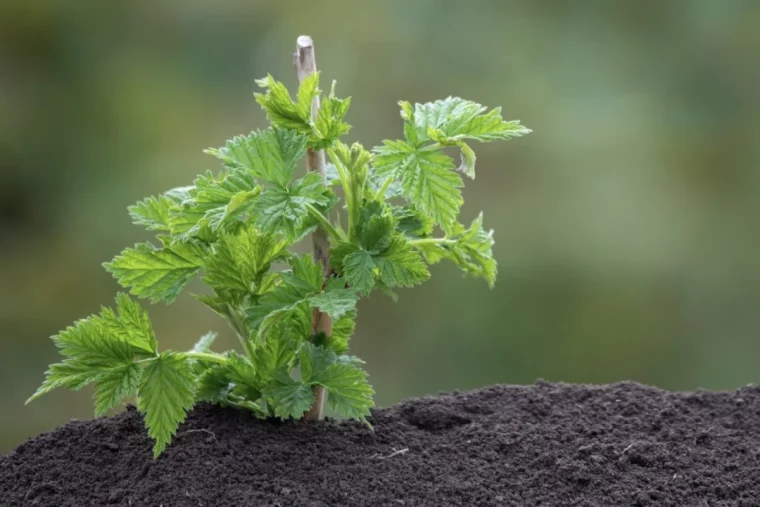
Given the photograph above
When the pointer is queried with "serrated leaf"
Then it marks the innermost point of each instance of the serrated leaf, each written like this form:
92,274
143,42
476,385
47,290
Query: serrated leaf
285,209
214,204
131,324
289,397
98,344
165,395
152,213
313,360
276,352
158,274
457,118
427,179
471,249
358,270
239,263
349,393
335,303
343,329
401,265
214,384
329,125
411,222
112,386
270,155
280,108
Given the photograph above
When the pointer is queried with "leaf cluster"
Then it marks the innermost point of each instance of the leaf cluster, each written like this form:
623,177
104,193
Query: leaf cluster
236,228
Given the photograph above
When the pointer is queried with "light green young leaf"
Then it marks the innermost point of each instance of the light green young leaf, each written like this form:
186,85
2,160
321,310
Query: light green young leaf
114,385
152,213
289,397
470,249
427,179
270,155
214,204
454,119
329,125
158,274
280,108
165,394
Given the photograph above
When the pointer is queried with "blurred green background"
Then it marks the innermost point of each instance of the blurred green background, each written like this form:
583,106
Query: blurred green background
627,224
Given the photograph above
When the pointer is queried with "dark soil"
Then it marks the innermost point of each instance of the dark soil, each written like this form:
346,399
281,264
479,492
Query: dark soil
548,445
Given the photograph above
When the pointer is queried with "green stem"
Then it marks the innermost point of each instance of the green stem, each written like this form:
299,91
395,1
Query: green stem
345,181
387,183
431,241
334,233
207,356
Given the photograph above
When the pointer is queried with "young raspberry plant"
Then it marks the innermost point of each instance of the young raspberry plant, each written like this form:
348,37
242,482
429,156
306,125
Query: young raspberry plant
293,314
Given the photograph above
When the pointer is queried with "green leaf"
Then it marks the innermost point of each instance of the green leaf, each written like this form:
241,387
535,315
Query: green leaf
349,392
214,384
470,249
313,360
285,209
276,352
401,265
290,398
99,344
132,324
114,385
329,125
358,270
454,118
308,91
288,303
70,374
213,204
239,263
427,179
343,329
158,274
411,222
152,213
270,155
245,377
335,303
165,395
280,108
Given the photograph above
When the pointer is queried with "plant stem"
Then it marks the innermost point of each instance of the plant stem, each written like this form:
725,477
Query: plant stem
384,188
431,241
306,65
334,233
207,356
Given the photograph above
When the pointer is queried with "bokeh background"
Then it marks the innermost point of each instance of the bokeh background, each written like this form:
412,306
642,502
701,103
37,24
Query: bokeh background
627,224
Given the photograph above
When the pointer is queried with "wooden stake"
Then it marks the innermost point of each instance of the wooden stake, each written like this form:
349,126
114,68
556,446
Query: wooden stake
306,64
